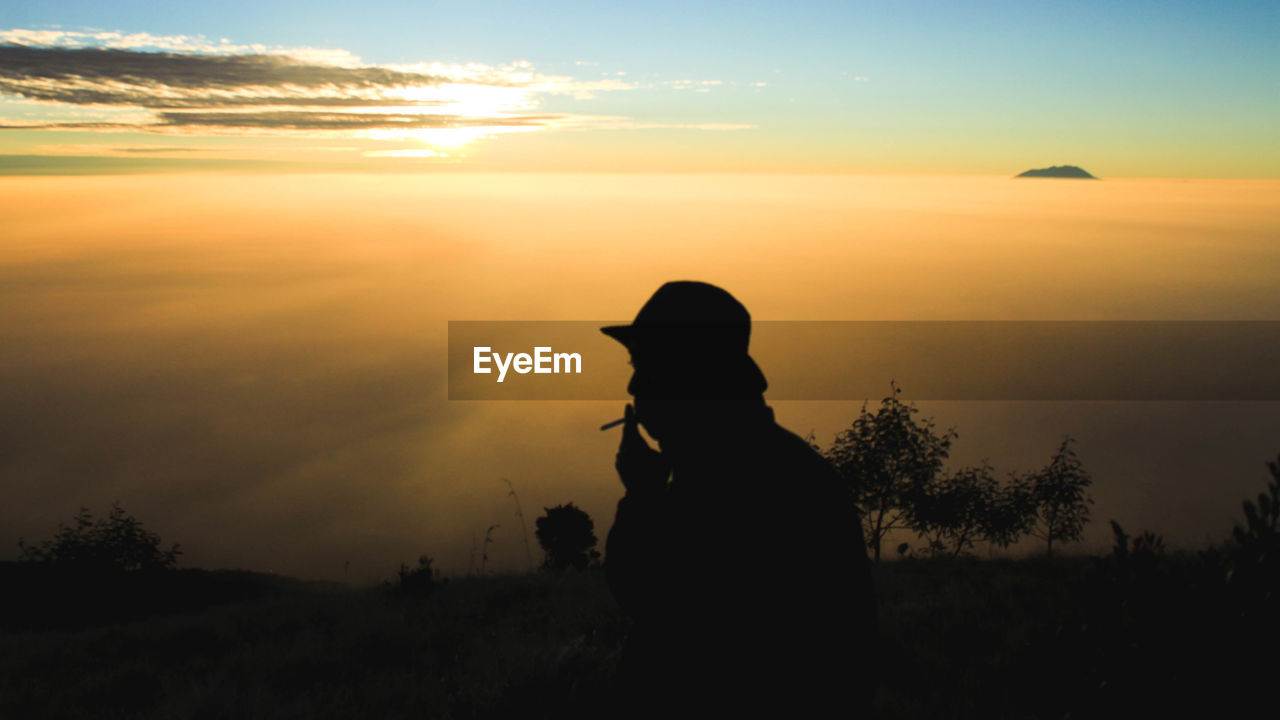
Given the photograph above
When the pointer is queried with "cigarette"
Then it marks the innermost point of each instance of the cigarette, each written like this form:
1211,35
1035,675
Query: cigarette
615,423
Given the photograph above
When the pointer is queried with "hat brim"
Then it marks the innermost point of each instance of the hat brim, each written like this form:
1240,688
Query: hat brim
749,372
625,334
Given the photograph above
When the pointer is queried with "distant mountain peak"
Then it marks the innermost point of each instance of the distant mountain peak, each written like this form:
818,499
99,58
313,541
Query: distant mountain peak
1059,171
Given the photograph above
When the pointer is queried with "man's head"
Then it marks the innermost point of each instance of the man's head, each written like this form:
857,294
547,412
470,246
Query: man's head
689,348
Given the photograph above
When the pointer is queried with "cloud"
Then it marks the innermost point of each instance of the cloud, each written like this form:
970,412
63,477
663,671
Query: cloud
100,81
310,120
619,122
219,92
161,80
176,43
414,153
700,86
94,149
149,150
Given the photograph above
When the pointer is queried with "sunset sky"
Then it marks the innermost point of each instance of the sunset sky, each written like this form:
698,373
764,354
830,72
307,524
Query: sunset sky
233,236
1134,89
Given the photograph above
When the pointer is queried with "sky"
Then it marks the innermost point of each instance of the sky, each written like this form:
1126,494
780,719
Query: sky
1135,89
254,365
233,234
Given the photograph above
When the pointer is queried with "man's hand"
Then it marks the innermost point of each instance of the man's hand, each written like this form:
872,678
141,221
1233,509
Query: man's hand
642,469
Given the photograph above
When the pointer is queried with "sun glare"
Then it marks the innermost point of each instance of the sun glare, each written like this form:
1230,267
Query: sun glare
442,137
464,110
469,100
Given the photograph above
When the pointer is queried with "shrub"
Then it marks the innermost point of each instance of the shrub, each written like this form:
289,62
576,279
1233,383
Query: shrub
568,538
115,542
420,580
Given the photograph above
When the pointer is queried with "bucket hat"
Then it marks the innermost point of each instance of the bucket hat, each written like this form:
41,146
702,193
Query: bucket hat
697,323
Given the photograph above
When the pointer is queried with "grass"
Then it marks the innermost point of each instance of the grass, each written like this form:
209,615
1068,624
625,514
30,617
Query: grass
475,648
961,638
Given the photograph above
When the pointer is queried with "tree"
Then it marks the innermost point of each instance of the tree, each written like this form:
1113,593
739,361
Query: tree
952,511
1009,514
885,458
1254,552
1262,520
567,537
116,542
1059,498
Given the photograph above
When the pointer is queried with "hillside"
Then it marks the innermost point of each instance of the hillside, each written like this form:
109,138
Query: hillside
1059,171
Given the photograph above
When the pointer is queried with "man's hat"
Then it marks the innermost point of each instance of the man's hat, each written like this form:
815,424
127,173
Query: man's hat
697,320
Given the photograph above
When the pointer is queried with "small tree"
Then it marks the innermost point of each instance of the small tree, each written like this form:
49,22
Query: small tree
884,458
117,542
567,537
1009,514
1262,520
1254,552
952,511
1059,498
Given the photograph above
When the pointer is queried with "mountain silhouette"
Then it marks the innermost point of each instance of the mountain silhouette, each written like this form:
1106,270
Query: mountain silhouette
1059,171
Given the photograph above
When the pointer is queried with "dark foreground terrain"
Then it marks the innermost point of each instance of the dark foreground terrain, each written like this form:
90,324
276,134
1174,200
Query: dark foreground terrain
962,638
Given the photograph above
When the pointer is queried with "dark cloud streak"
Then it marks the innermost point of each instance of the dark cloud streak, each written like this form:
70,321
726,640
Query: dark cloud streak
302,120
189,92
151,150
72,95
21,64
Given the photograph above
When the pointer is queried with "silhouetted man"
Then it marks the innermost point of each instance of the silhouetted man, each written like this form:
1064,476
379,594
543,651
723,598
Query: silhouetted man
735,549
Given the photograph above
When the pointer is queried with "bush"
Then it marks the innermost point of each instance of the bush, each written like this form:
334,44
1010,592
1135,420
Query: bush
115,542
568,538
420,580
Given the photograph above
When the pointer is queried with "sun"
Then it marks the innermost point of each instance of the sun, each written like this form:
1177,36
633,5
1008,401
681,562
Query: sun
453,115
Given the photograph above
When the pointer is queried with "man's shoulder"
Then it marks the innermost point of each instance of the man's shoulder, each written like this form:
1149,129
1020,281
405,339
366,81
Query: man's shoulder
795,476
783,439
797,454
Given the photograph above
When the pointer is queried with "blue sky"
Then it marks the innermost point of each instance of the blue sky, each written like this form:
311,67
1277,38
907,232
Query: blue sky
1142,88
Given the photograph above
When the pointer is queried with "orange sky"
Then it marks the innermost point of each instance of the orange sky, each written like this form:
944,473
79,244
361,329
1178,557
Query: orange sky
254,365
